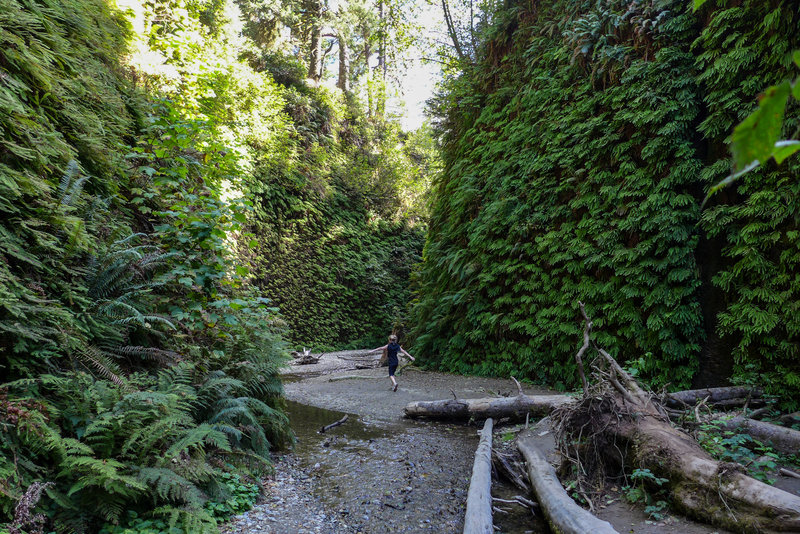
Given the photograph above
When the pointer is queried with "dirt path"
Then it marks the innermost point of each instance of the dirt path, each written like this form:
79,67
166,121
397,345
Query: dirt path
379,473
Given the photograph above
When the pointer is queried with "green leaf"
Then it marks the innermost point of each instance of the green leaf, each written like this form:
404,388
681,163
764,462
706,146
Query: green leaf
796,57
784,149
754,139
796,89
698,3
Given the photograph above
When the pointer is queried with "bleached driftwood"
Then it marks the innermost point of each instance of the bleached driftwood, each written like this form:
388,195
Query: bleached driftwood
478,518
562,513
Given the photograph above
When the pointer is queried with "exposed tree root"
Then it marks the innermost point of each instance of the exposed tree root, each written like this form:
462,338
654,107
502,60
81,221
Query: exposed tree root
619,425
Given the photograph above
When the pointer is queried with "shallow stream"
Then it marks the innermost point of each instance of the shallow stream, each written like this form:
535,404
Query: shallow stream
396,476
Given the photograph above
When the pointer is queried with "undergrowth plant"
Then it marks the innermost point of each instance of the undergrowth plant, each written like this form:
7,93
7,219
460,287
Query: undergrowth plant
340,220
759,459
644,488
140,368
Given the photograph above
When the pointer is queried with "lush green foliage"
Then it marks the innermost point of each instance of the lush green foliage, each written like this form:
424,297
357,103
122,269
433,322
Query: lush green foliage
338,220
139,367
756,139
140,362
725,445
645,487
577,153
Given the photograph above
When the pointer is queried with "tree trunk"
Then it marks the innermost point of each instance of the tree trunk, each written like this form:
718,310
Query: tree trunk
478,518
562,513
343,82
515,408
451,31
702,487
315,40
782,439
367,54
690,397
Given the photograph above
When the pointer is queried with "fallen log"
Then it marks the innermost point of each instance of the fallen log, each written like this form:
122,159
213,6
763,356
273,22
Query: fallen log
341,421
789,418
738,402
353,377
619,412
690,397
478,518
515,408
782,439
788,473
562,513
513,471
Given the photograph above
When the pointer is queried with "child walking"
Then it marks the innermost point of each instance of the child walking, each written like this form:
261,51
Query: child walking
391,350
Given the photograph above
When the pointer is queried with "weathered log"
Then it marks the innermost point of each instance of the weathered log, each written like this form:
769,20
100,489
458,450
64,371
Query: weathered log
562,513
341,421
478,518
738,402
788,473
515,408
353,377
704,488
513,471
689,397
789,418
782,439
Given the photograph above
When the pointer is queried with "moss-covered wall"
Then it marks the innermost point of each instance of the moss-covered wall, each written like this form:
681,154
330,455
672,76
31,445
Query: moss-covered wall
578,151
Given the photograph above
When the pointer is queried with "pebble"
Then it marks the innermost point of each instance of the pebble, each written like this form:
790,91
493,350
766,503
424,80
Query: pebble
288,508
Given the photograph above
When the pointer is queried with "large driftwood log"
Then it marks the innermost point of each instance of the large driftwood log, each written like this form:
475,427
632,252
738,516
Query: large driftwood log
478,518
782,439
498,408
709,490
690,397
563,514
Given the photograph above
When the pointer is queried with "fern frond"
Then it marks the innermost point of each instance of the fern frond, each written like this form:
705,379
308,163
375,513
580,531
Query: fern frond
196,521
162,356
197,437
170,486
93,358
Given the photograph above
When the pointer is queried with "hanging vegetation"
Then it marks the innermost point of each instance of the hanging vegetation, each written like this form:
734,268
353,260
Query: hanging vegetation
139,369
340,222
578,150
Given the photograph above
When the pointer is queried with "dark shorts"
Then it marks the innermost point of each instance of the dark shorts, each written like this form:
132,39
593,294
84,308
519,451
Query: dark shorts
392,368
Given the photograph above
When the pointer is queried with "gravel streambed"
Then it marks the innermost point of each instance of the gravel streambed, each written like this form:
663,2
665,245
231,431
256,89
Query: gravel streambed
379,473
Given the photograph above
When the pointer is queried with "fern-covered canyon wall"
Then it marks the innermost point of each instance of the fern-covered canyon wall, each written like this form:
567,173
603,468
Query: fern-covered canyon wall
152,173
340,222
139,368
578,150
